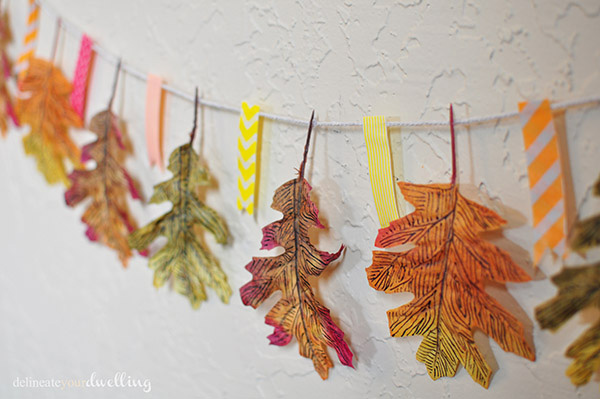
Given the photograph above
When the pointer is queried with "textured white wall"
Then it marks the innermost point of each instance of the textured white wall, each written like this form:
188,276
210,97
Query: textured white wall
68,308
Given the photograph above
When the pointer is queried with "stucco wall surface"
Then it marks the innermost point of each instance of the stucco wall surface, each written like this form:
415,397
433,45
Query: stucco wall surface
68,309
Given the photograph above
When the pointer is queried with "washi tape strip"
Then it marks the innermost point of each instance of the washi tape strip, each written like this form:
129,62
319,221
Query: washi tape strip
380,169
545,177
153,118
80,79
29,40
247,157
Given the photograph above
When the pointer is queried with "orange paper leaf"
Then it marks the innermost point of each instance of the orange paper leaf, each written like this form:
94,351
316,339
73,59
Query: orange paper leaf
446,271
107,186
298,313
47,109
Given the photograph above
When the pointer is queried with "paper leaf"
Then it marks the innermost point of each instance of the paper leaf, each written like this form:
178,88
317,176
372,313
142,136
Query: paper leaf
107,186
578,288
447,271
298,313
586,232
185,257
48,111
6,101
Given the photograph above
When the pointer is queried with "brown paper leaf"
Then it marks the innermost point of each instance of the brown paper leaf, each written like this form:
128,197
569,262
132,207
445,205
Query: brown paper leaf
298,313
107,186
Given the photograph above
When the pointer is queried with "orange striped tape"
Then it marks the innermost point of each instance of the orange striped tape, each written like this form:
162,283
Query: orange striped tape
545,178
29,40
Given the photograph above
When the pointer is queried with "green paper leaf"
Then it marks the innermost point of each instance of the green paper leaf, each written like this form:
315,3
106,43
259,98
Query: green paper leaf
578,288
185,257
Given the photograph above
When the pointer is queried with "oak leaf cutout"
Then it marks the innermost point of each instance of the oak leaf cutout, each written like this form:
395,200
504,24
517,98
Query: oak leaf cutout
447,271
298,313
185,257
578,288
48,111
107,186
6,101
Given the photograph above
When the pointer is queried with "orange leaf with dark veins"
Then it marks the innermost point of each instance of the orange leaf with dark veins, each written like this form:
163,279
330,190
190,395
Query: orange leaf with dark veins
447,271
47,110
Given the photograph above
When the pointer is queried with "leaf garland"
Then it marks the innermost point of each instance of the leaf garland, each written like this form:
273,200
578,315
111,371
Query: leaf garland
298,313
185,257
447,271
6,102
48,112
107,185
578,288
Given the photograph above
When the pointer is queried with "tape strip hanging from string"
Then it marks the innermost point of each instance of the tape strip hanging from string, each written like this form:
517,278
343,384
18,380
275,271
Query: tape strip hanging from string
380,168
6,71
248,143
29,40
82,72
545,178
153,120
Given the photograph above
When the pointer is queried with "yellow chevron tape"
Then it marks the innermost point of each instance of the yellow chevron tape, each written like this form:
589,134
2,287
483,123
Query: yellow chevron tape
545,178
246,192
380,169
247,133
248,143
249,208
246,172
246,154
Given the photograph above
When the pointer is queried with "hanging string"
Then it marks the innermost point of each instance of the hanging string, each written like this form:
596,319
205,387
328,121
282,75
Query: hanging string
108,56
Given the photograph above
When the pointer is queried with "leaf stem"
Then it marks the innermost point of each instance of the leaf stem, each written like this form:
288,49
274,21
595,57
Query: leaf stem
453,144
114,86
193,132
303,164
